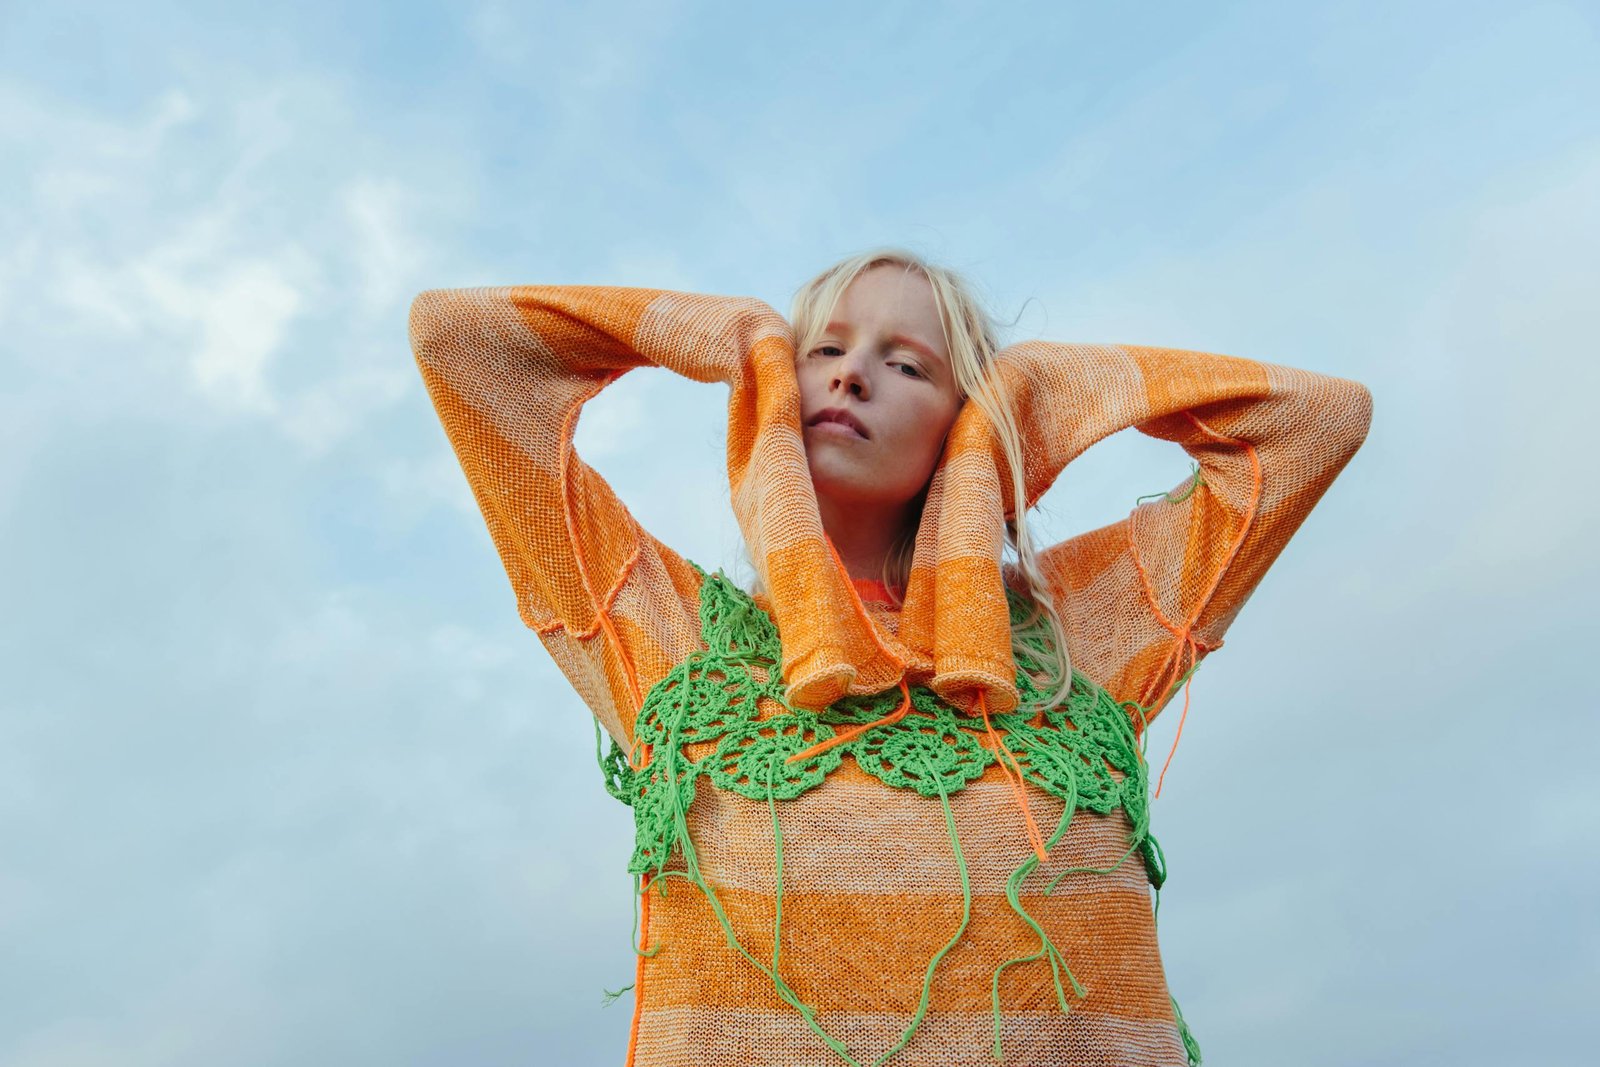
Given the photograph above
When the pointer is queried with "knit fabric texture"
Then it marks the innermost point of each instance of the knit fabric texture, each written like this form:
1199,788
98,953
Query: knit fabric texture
831,792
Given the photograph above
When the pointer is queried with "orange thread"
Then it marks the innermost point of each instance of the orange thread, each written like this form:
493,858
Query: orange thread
1144,580
610,599
899,712
1181,720
627,661
893,717
1017,788
638,971
1249,515
601,611
1172,664
861,611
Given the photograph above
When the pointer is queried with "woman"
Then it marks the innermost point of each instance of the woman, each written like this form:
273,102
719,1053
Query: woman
916,824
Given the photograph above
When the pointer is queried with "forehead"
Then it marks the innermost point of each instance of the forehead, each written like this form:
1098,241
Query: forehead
889,299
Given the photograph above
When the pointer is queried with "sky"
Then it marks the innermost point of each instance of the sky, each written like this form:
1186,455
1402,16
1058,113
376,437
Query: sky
283,778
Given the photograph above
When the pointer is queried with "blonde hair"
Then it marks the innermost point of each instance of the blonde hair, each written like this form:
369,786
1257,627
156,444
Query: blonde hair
970,336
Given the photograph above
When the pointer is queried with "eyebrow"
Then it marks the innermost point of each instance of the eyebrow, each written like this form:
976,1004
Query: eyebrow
895,339
916,345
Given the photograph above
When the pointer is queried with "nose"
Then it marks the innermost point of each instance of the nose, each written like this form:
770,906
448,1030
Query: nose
849,376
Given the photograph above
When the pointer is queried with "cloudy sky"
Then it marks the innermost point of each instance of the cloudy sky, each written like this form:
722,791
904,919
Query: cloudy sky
283,780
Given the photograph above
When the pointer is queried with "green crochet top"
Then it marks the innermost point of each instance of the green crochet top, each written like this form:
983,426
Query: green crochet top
701,723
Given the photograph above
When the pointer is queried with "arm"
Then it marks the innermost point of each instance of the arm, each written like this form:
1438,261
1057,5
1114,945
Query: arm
508,370
1146,598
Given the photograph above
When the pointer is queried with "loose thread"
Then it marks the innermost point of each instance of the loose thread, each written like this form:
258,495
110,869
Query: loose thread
638,974
693,875
1187,641
966,915
1018,788
641,918
777,865
630,674
1138,781
1196,483
860,609
1191,1047
1188,679
856,731
1047,947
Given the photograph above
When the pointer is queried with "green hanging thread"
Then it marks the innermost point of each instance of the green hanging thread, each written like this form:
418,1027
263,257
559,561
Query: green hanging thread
1047,947
1191,1047
966,917
1187,493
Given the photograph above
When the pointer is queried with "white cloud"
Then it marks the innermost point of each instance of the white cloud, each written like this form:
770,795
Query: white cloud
236,320
387,257
186,247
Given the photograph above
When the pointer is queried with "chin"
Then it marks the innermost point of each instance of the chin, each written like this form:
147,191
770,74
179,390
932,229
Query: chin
830,477
855,488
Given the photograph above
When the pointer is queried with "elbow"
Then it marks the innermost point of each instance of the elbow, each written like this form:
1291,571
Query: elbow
1355,413
428,322
1330,421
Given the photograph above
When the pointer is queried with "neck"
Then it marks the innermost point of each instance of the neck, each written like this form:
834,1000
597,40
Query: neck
862,535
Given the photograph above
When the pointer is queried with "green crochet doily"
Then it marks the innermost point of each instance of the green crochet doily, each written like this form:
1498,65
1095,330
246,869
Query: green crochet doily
713,694
709,703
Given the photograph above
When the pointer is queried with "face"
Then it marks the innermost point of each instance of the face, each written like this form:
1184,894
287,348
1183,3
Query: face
877,392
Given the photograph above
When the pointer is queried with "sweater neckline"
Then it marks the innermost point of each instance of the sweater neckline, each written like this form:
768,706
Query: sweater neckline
873,589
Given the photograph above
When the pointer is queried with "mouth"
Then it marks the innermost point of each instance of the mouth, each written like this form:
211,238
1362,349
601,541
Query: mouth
838,421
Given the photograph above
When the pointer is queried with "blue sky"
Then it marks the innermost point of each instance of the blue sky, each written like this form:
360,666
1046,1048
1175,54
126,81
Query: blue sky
283,780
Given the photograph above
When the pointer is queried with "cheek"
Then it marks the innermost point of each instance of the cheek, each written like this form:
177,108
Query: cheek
921,439
806,377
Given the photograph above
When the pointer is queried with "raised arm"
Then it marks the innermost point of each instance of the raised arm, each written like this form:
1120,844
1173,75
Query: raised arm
508,370
1146,598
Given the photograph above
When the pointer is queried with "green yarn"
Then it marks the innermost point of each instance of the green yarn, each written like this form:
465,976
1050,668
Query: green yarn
1191,1047
614,769
932,756
1187,493
757,747
1085,751
1047,947
966,916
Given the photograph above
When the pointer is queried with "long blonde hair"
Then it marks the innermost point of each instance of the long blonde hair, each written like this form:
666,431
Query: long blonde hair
970,336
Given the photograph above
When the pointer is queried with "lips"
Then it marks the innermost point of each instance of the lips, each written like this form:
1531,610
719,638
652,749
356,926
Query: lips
841,417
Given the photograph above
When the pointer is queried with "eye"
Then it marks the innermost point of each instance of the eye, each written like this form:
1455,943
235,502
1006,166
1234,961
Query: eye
910,370
822,350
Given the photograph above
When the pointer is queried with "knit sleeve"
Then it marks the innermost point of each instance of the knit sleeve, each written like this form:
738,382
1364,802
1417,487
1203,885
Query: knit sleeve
1146,598
508,370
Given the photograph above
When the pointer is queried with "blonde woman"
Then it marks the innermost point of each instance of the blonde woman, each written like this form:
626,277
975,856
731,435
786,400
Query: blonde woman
892,804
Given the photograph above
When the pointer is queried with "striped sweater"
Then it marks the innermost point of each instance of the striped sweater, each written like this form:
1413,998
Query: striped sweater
845,807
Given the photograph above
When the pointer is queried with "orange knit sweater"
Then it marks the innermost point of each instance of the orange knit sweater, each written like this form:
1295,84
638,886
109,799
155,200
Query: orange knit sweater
875,879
